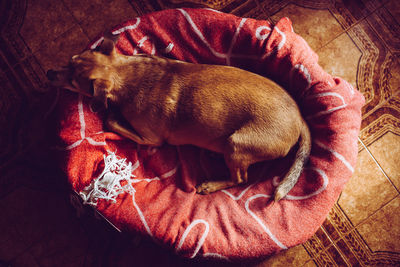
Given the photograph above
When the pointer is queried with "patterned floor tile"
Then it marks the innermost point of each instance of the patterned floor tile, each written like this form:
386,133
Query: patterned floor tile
382,230
367,191
382,111
347,13
358,40
375,71
317,27
248,8
341,62
12,243
103,17
271,7
55,248
80,9
13,48
26,259
44,20
320,255
351,12
35,213
359,249
296,256
337,224
393,6
386,25
350,249
57,53
386,150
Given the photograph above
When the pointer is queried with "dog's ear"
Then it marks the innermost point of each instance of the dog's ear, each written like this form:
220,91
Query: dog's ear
101,89
107,47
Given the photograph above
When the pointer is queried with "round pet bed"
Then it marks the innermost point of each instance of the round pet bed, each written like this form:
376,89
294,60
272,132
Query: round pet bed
151,190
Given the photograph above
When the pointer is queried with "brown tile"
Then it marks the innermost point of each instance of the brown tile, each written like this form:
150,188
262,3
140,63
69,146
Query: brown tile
373,66
26,259
101,18
324,259
317,27
385,116
314,247
347,13
367,191
347,253
323,237
382,230
34,74
35,213
296,256
248,9
145,7
44,21
11,242
10,180
386,151
66,246
273,6
45,228
383,119
171,4
394,77
82,9
58,52
387,27
376,74
340,58
310,263
12,46
330,230
11,103
393,6
351,12
373,74
337,256
354,242
337,223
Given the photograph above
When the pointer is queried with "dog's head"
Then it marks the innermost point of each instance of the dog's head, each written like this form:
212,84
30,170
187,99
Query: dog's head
89,73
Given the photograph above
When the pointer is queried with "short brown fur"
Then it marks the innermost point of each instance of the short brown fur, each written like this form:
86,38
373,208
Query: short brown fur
244,116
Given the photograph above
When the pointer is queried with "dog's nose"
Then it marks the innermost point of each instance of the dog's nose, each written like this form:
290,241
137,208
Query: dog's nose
51,75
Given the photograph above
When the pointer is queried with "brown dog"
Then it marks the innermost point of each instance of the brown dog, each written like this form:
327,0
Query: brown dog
244,116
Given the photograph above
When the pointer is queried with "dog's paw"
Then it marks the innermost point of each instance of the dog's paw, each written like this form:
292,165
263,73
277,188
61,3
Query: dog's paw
204,189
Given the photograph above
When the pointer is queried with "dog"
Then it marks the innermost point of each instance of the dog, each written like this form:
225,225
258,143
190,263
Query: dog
244,116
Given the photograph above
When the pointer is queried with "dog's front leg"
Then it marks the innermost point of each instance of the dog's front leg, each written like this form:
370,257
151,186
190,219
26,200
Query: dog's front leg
114,125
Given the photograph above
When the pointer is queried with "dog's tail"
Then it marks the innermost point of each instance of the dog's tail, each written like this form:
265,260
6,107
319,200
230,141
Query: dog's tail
294,172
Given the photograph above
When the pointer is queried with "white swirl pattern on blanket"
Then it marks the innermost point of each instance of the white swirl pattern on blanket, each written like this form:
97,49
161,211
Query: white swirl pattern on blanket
261,33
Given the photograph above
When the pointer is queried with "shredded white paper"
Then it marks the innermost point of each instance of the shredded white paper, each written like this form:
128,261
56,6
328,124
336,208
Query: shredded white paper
115,179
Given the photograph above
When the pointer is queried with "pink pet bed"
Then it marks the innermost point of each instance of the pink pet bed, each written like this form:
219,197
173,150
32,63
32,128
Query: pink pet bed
151,190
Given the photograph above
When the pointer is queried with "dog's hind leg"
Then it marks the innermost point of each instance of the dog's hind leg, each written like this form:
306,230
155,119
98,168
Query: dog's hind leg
237,161
246,146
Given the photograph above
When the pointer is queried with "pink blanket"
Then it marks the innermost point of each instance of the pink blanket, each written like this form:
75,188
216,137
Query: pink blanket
151,190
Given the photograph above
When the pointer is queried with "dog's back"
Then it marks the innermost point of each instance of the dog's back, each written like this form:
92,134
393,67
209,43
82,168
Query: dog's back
242,115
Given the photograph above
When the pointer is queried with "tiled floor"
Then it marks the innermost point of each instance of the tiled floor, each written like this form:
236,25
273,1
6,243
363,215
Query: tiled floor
357,40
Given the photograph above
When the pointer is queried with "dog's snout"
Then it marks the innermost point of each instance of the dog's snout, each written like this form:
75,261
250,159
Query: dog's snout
51,75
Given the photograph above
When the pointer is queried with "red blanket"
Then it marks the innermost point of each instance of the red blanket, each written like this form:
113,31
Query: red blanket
152,190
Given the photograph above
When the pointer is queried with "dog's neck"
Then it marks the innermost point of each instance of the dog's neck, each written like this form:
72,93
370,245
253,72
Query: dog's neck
134,75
